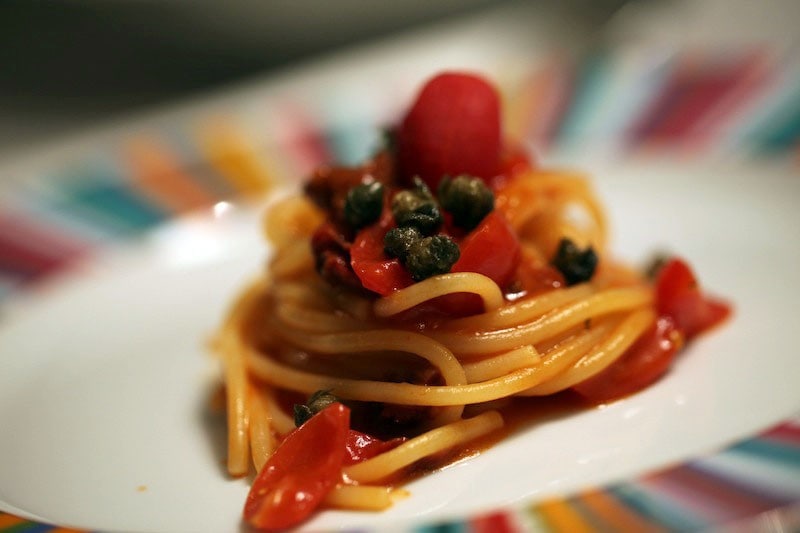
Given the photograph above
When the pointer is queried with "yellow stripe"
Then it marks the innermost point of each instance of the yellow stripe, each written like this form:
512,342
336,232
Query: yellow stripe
561,517
618,516
233,156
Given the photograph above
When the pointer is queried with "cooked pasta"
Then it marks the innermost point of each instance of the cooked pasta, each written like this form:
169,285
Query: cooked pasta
412,356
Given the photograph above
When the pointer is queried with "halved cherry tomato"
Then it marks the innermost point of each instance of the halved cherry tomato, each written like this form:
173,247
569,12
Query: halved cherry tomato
452,128
304,468
376,271
491,249
678,295
360,447
642,364
536,277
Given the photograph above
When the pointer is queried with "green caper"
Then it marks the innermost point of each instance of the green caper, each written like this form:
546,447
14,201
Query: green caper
398,241
363,204
576,265
431,256
468,199
316,403
416,207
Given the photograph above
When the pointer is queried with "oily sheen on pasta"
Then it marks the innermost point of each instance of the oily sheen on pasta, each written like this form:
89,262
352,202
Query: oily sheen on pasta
426,292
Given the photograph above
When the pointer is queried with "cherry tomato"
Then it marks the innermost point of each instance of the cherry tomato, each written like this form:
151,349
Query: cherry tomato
376,271
304,468
452,128
642,364
360,447
491,249
536,278
678,295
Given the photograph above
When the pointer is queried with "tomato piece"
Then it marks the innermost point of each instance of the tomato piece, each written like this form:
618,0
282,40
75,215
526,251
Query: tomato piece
514,161
642,364
491,249
452,128
304,468
535,278
678,295
360,447
376,271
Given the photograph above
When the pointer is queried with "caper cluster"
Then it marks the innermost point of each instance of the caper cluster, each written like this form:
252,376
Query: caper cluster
418,214
413,241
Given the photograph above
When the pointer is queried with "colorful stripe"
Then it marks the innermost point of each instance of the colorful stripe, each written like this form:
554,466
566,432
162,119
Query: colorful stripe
230,152
159,174
614,514
13,524
586,99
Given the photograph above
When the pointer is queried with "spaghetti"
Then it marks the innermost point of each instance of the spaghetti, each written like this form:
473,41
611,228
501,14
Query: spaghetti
357,303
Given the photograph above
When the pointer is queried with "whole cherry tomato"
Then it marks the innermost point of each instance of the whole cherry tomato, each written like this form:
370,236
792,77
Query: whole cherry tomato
452,128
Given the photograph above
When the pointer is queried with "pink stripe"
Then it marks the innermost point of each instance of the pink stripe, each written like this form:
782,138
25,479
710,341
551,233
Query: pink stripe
304,140
25,262
786,433
707,495
750,79
50,241
660,106
498,522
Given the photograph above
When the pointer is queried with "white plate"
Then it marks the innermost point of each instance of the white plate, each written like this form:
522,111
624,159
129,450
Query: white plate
105,380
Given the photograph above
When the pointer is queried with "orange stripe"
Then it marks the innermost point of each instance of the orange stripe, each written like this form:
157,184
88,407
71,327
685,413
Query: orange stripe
66,530
618,516
561,517
160,175
541,97
7,520
233,156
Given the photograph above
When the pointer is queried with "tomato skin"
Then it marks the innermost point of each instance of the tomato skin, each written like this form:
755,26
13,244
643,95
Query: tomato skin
535,277
304,468
452,128
377,272
643,363
360,447
491,249
678,295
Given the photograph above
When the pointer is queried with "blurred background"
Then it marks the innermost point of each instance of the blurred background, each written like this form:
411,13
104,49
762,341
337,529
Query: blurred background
69,66
117,116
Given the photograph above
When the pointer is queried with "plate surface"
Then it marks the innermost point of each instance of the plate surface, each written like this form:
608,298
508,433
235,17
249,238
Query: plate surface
106,381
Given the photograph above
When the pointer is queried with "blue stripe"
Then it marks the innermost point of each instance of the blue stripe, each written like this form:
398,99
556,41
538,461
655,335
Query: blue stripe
446,527
772,451
352,144
104,199
657,510
780,127
593,76
117,202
